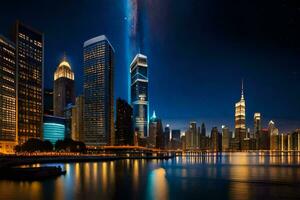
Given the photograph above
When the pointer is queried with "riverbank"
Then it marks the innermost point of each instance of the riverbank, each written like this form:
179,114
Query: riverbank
13,160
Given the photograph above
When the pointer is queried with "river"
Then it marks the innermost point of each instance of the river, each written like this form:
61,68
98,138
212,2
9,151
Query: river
223,176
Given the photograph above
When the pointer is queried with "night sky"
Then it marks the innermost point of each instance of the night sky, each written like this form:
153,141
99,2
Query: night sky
198,52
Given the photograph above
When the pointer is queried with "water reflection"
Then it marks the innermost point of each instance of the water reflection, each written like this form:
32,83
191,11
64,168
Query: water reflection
254,175
157,185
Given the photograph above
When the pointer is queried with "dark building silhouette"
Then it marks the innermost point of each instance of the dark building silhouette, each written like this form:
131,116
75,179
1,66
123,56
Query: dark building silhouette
203,129
64,92
155,132
124,123
30,68
48,101
216,140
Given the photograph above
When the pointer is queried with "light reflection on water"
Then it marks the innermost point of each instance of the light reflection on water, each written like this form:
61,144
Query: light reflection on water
221,176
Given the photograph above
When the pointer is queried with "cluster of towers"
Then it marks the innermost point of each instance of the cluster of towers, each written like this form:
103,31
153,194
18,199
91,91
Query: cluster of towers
28,110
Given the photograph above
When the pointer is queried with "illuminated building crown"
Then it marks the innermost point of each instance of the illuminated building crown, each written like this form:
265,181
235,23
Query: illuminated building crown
64,70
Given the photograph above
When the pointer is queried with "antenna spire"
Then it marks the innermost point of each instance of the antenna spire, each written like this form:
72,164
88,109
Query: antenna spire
242,94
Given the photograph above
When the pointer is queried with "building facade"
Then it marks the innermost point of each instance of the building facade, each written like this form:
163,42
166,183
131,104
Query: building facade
64,88
98,91
124,128
78,119
139,94
53,128
48,102
30,69
8,99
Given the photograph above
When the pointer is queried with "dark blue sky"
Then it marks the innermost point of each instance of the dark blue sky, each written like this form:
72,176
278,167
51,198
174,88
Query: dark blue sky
198,52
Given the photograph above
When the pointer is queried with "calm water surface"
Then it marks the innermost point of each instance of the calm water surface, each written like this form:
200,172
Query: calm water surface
226,176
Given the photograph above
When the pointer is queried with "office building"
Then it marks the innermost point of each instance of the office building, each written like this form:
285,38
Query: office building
203,129
77,129
240,119
98,63
155,132
139,93
216,140
48,102
226,137
274,136
8,122
64,92
53,128
30,68
124,127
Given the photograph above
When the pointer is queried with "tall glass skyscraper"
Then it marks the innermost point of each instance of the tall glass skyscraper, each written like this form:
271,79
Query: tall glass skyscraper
139,93
30,69
8,134
64,89
98,58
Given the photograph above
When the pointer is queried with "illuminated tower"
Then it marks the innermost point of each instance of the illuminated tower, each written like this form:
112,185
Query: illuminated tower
139,93
30,68
8,134
240,118
64,93
98,63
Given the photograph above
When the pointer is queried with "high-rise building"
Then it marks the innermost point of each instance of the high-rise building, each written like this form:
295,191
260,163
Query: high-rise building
48,102
194,135
176,134
257,123
124,128
98,65
78,119
240,119
8,122
64,92
176,139
30,68
167,133
203,129
274,136
155,132
139,93
226,137
216,140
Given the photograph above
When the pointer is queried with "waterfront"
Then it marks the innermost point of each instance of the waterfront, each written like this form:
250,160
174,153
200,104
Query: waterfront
226,176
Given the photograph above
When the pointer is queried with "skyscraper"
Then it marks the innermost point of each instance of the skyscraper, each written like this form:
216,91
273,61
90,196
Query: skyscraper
98,58
226,137
240,119
139,93
8,123
78,119
203,129
64,92
156,132
216,140
257,123
124,128
274,136
30,68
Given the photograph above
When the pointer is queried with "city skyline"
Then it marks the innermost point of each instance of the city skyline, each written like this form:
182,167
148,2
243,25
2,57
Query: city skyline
274,74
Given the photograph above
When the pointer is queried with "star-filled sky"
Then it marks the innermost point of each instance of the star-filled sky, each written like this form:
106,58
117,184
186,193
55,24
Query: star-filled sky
198,52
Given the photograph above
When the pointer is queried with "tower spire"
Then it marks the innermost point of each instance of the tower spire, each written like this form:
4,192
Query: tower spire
242,92
64,57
